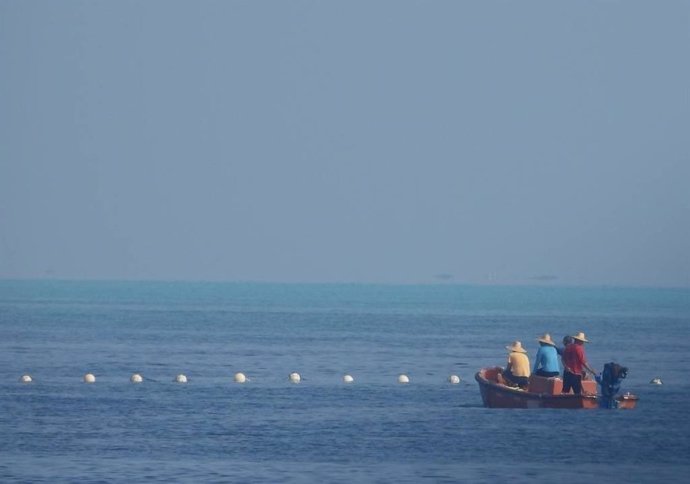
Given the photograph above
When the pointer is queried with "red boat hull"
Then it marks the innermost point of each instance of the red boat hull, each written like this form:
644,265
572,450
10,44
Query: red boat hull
496,395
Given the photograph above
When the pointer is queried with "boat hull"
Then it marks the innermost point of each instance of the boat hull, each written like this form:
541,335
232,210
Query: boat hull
496,395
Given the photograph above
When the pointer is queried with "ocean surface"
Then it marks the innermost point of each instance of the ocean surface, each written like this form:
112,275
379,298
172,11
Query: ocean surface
58,429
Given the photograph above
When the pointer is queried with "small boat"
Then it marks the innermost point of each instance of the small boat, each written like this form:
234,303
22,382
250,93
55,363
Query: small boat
543,393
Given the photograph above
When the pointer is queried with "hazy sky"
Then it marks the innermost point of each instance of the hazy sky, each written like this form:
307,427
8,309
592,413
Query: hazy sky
372,141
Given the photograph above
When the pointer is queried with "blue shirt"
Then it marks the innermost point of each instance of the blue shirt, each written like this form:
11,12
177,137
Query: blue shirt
547,359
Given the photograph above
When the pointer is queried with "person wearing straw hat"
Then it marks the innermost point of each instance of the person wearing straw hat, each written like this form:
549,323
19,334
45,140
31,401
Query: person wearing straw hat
575,364
546,361
517,371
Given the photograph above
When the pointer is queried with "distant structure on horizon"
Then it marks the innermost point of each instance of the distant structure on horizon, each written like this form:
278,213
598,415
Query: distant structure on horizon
544,278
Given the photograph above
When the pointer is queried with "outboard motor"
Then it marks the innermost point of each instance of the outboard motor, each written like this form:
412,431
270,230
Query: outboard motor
610,383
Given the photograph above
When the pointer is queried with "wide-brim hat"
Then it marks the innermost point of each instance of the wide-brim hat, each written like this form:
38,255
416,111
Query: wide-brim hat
581,337
546,339
517,347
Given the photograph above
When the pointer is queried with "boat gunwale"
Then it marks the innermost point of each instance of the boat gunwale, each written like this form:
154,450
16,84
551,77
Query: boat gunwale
482,380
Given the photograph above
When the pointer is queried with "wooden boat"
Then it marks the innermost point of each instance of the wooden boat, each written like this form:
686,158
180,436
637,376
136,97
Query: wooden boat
541,393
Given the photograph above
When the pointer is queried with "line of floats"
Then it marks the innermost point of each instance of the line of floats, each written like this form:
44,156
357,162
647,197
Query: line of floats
541,392
239,377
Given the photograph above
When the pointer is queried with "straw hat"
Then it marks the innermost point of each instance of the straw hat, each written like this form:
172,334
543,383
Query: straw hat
581,337
546,339
517,347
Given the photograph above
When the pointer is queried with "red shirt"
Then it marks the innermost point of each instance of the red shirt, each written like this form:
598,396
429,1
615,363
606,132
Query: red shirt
574,358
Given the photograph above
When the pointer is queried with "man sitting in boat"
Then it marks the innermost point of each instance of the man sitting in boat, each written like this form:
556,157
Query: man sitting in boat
546,362
517,371
575,364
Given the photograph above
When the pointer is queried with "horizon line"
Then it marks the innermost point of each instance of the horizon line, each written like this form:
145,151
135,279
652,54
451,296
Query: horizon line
528,283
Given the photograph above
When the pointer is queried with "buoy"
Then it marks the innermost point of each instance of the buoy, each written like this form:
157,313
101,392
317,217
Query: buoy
26,379
241,378
656,381
403,379
348,379
294,377
89,378
136,378
181,378
454,379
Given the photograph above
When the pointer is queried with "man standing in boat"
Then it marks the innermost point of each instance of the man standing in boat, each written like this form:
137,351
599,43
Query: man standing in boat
575,364
566,341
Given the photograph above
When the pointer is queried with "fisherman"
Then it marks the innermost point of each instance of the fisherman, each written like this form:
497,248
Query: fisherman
575,364
566,341
517,371
546,361
560,349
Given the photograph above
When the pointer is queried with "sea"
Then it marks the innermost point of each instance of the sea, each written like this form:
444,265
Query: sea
269,430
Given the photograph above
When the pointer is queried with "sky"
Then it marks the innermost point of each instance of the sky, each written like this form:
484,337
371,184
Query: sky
493,142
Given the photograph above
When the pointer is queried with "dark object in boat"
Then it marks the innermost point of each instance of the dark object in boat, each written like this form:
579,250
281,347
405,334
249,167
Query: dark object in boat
610,382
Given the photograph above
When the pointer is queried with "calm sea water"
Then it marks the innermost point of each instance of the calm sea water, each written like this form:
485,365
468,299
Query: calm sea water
375,430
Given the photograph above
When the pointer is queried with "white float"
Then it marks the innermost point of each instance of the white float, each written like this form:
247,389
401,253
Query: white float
136,378
348,379
403,379
181,378
26,379
295,377
241,378
656,381
454,379
89,378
